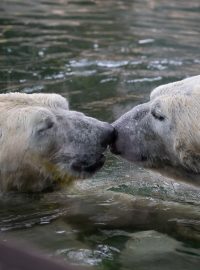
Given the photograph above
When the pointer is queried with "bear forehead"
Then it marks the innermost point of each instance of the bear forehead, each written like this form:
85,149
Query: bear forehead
178,101
44,100
188,86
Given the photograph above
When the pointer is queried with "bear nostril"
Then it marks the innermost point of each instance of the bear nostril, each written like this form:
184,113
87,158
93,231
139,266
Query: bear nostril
109,137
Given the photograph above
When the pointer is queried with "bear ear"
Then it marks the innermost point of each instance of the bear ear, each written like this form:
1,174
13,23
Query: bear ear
51,100
58,101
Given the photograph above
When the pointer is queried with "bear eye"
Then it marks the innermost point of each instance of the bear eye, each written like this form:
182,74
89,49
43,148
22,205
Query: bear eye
157,115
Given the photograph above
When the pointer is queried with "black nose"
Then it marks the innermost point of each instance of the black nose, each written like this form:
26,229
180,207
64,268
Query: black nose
109,136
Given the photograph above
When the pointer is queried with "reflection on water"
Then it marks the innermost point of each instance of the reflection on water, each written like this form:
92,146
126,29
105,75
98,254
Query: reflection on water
101,229
105,56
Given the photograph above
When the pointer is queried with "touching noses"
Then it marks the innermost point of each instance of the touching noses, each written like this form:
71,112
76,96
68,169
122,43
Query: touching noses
109,136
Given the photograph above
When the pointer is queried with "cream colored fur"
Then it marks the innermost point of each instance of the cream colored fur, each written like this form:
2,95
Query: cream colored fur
43,144
164,133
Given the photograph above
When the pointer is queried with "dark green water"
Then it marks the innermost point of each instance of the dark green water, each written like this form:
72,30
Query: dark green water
105,57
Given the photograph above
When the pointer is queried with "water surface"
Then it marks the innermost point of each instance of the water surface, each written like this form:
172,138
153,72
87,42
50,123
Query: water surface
105,57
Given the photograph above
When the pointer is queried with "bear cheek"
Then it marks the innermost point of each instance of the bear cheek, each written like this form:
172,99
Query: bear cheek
42,144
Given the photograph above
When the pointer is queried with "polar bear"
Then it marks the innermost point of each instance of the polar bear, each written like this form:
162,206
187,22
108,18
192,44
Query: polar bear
43,144
164,133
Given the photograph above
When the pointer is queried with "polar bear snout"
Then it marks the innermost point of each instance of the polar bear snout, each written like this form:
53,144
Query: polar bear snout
91,138
132,131
86,166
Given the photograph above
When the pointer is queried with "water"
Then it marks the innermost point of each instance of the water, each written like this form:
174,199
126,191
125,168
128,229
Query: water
105,57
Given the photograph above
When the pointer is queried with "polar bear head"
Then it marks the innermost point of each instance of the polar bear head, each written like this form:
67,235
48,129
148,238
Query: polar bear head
43,143
164,133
